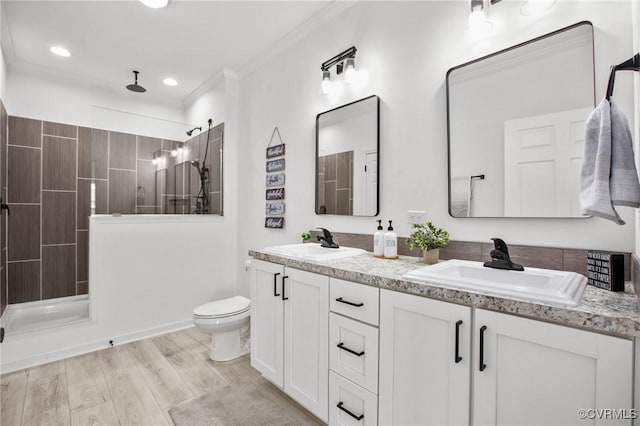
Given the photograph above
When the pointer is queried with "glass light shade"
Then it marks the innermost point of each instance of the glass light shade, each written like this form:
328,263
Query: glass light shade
350,74
479,25
325,86
536,7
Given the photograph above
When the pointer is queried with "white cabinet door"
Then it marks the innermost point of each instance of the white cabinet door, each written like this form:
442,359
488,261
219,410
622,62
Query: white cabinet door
424,380
306,340
535,373
267,320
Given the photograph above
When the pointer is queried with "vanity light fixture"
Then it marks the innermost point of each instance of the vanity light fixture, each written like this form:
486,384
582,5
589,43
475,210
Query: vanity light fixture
479,25
345,62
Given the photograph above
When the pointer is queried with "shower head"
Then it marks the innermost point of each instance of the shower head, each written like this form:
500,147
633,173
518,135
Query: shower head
196,164
135,87
190,132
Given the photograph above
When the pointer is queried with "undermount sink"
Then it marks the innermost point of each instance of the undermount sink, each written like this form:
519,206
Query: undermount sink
313,251
540,285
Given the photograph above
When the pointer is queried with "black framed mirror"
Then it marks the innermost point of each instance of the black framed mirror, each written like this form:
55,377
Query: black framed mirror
347,159
515,122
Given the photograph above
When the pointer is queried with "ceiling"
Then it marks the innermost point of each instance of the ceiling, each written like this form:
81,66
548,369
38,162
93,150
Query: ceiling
191,41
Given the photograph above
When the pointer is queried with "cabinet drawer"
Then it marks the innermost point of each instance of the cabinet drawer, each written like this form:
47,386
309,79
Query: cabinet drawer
354,300
349,404
353,351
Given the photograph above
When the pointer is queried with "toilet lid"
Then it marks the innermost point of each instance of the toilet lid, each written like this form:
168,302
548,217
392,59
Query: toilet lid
223,308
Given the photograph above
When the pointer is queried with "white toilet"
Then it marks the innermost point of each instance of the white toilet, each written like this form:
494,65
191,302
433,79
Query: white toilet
228,322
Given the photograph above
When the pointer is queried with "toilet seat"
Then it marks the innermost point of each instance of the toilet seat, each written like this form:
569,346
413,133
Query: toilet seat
223,308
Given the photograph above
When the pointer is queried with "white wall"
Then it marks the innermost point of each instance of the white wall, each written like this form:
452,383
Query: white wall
220,103
407,48
61,99
147,274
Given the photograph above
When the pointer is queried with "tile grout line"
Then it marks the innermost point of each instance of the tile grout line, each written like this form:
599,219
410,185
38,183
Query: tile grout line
75,219
41,199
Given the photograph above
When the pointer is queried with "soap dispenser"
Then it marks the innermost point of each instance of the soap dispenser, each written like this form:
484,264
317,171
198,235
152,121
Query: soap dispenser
378,241
390,243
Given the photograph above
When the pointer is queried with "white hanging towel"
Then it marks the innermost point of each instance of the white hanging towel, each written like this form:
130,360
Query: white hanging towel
623,184
595,198
608,175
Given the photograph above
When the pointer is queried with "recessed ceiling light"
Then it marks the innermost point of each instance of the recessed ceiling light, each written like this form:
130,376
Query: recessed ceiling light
155,4
170,81
60,51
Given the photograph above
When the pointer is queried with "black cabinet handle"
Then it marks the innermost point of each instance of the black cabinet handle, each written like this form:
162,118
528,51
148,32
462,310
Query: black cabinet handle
275,280
482,364
358,418
344,348
458,358
346,302
284,278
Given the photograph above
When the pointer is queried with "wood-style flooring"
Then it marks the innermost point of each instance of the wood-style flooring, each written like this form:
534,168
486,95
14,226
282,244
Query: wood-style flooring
131,384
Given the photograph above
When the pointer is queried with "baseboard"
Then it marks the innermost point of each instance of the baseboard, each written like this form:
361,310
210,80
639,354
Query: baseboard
87,347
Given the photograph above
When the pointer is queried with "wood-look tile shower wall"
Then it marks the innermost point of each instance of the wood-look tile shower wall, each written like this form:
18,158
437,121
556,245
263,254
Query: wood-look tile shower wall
51,167
4,123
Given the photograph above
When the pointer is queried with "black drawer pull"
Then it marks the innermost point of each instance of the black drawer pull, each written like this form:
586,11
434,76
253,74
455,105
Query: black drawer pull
458,358
346,302
340,406
344,348
482,364
284,278
275,280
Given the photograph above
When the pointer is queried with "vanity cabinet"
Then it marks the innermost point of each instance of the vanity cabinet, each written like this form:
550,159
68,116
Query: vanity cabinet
532,372
289,332
523,371
425,360
353,354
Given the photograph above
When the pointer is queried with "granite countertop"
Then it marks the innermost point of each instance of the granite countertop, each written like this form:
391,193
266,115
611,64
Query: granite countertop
600,310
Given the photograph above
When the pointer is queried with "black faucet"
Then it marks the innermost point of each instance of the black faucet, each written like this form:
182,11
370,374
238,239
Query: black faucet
500,257
326,240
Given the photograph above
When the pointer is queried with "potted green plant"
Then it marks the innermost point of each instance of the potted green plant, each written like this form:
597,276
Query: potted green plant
306,236
429,239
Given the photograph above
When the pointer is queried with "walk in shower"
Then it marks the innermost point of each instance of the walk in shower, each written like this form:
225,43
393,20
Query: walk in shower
54,176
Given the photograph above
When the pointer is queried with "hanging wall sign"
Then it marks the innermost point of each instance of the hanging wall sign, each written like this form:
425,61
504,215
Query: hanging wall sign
274,222
275,151
274,206
275,165
274,209
275,194
276,179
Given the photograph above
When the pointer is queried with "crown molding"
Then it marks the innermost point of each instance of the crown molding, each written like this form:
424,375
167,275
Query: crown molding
315,22
324,15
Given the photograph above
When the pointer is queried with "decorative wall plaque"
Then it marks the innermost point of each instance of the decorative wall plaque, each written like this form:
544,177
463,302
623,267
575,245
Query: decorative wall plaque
605,270
275,194
275,165
275,151
274,222
275,183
